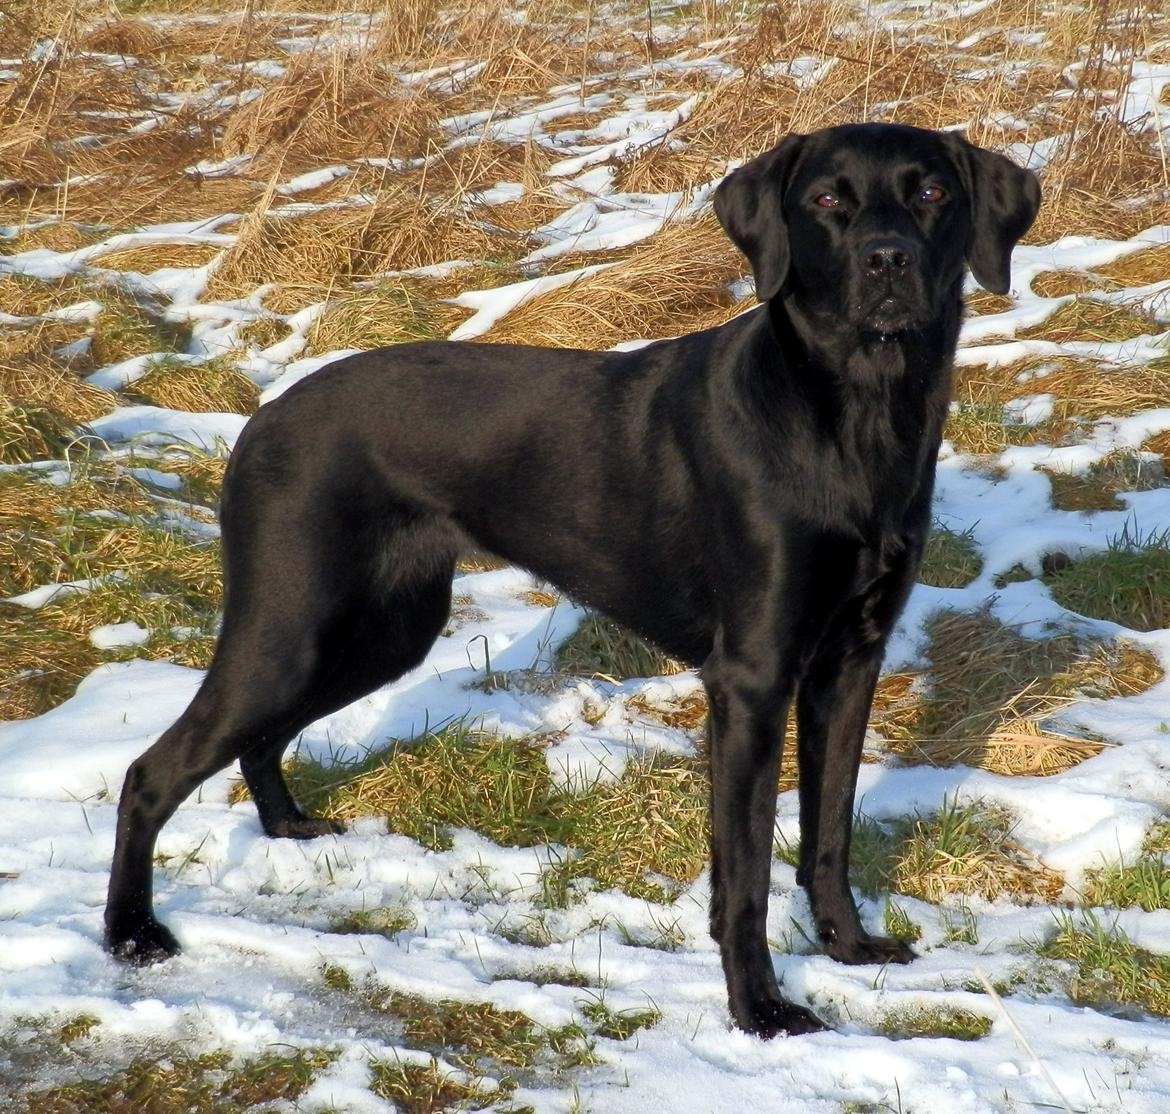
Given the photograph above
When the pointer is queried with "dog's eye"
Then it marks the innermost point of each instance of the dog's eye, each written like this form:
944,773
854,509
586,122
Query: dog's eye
828,201
932,193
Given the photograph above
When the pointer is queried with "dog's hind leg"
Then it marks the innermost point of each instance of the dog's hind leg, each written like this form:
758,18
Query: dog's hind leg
280,815
277,668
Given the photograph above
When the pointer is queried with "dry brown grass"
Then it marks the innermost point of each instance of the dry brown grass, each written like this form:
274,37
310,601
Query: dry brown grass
674,283
982,302
968,852
38,348
397,232
688,713
151,257
54,389
988,690
393,312
212,387
39,670
51,534
1089,318
1160,444
1139,269
1082,391
332,107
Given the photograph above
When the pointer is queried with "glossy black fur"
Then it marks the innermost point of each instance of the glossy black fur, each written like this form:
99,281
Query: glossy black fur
753,498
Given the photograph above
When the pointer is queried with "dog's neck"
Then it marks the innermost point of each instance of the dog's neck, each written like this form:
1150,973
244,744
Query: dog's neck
879,405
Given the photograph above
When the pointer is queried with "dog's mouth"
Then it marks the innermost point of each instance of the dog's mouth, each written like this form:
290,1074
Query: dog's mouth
889,316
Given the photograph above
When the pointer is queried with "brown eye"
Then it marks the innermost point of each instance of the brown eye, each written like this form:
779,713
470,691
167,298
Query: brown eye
828,201
932,193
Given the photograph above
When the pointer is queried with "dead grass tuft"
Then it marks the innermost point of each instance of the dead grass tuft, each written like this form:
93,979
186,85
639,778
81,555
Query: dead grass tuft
54,389
1160,444
968,851
397,232
1109,181
599,647
689,713
332,106
1091,319
982,302
987,692
393,312
1082,390
152,257
675,283
1139,269
211,387
130,38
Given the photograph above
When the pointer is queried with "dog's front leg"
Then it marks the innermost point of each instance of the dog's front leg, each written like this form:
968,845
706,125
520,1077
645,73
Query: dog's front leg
832,711
746,729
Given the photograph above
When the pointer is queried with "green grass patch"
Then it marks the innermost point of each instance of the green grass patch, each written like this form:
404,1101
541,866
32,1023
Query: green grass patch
474,1035
77,1028
208,1084
478,1038
938,1022
618,1025
148,573
1128,584
960,924
983,428
126,327
1109,970
1142,884
419,1089
1098,488
650,822
601,648
32,433
900,925
951,559
388,922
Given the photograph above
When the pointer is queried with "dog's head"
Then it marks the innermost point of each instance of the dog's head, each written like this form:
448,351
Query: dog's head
873,222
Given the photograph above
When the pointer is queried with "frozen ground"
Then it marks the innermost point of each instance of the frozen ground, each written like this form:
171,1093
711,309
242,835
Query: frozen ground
252,913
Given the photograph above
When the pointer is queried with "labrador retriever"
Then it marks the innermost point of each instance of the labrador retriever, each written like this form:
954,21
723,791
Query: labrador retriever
753,498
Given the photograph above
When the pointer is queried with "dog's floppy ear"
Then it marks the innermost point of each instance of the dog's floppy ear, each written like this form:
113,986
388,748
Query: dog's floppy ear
748,205
1004,201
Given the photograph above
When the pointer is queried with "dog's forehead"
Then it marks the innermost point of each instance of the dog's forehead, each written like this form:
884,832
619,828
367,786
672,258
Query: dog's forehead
874,154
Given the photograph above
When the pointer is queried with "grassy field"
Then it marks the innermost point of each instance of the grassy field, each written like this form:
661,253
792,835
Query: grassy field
195,195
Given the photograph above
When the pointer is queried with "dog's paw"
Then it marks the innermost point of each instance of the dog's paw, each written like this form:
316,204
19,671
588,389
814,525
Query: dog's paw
144,942
774,1017
305,827
870,949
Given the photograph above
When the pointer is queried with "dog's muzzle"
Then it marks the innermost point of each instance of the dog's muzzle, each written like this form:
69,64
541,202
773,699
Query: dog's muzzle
890,283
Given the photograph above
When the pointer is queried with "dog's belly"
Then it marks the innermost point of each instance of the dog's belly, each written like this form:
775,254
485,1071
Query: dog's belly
625,576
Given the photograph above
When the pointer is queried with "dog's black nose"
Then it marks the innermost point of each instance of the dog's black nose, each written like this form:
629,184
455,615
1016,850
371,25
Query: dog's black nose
888,255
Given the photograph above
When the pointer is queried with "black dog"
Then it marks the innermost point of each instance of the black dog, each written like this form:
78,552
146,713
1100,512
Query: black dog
753,498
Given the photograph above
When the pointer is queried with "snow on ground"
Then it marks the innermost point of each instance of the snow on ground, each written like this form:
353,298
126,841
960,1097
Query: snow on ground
252,913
